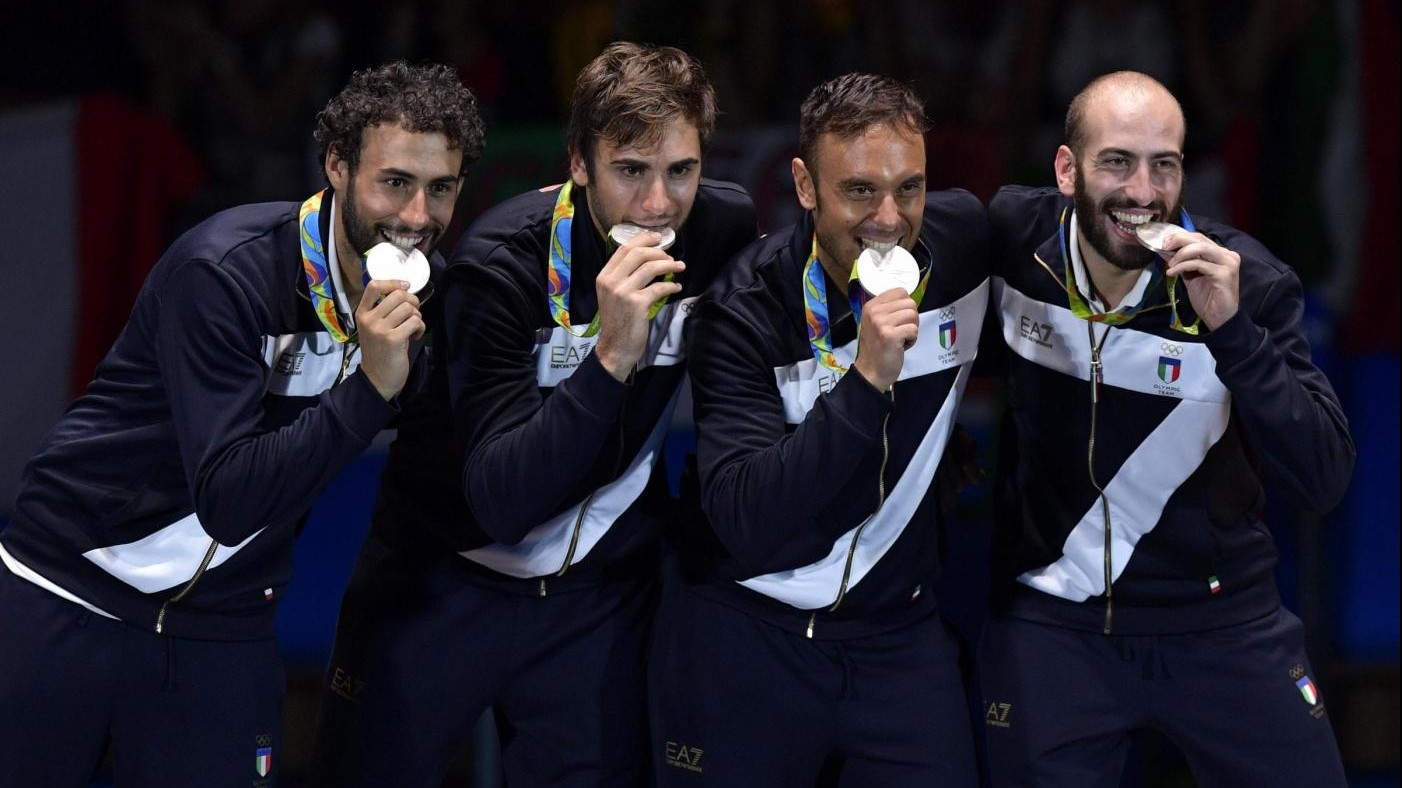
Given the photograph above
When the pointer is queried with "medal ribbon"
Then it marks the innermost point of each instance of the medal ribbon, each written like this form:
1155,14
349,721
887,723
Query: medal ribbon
558,273
1081,309
314,265
815,306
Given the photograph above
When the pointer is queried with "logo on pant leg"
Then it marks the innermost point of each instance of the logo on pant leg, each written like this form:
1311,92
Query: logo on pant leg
682,756
996,715
263,758
1307,690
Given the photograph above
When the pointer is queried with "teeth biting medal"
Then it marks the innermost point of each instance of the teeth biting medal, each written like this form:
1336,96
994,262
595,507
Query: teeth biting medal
623,233
878,272
1152,234
387,261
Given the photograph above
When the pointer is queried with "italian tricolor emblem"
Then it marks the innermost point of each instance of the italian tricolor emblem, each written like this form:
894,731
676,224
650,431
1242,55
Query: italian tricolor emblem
1307,689
263,761
1169,369
1214,584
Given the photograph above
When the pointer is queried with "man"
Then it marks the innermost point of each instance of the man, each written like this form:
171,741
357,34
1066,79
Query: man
514,568
1150,398
799,638
153,531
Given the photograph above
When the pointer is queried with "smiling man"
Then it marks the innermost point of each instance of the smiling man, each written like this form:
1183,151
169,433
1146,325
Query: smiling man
799,636
153,533
512,560
1152,397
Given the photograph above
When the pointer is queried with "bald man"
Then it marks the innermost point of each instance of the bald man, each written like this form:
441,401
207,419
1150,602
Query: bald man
1152,396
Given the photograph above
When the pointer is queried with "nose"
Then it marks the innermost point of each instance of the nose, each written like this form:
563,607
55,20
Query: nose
887,216
1140,185
655,200
415,211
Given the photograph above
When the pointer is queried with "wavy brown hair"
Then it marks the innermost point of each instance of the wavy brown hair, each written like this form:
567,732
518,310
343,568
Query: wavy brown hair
630,91
420,98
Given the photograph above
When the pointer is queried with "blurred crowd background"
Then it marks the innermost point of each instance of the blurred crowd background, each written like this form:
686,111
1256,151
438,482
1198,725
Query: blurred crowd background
124,122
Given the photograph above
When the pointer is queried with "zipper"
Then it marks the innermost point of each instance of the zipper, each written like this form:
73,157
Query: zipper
880,500
1097,379
574,540
348,349
190,586
584,507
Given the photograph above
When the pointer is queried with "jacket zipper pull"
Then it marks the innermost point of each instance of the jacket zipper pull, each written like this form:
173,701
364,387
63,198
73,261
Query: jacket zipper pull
811,618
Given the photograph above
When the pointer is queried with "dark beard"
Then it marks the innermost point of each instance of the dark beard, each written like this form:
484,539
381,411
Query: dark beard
364,236
1125,258
602,221
360,237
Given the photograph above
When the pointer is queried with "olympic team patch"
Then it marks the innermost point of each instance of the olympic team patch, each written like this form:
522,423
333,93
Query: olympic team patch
1170,369
1307,689
949,334
263,758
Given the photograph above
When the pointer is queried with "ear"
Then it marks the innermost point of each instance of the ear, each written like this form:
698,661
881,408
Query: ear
803,184
579,173
337,170
1065,165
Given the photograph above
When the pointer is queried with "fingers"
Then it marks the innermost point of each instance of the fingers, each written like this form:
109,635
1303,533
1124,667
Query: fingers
659,290
389,310
1195,252
650,270
383,296
636,266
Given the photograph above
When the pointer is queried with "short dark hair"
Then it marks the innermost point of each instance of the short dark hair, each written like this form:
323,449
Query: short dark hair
422,99
630,91
849,105
1075,130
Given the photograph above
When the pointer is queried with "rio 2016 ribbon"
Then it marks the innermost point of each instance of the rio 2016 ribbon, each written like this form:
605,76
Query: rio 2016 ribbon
558,267
317,271
815,306
1081,309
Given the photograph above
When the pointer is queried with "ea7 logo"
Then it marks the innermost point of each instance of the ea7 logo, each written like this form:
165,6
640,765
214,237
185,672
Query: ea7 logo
569,355
682,756
996,715
1040,333
346,685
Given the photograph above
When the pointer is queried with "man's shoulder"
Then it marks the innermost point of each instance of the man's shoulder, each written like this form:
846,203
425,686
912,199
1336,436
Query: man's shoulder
1256,260
229,230
953,203
756,268
526,215
722,217
724,194
524,211
1022,218
1016,205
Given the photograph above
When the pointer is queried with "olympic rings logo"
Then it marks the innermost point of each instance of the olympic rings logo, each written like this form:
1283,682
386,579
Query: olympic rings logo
946,313
1171,349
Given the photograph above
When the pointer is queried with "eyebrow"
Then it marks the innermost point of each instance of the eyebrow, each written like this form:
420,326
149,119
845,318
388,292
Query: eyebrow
395,172
848,183
1168,154
627,162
